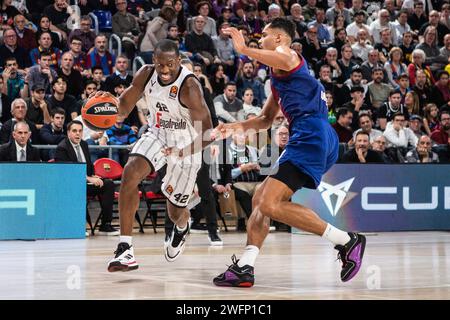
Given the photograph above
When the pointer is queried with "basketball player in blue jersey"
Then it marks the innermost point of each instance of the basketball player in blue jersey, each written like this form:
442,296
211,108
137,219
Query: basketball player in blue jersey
311,151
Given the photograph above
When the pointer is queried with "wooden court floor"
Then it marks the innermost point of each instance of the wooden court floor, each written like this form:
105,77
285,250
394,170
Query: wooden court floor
401,265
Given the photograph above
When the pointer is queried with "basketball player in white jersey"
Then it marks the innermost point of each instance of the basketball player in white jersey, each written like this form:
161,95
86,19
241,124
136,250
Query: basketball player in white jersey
175,100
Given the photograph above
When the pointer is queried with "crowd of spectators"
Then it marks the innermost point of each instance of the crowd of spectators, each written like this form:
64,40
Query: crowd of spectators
384,65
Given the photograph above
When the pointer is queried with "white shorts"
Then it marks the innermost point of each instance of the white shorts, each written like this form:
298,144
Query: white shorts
181,174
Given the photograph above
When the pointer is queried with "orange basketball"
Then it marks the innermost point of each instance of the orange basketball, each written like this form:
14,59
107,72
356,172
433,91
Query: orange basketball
100,113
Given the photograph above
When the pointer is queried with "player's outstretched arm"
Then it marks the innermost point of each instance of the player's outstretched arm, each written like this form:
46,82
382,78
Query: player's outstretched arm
283,58
262,122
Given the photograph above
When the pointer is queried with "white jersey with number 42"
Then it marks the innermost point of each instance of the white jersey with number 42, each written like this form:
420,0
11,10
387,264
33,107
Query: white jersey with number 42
168,119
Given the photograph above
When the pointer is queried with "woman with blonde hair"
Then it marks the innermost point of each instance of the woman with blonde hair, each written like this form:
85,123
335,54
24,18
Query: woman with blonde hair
412,103
394,66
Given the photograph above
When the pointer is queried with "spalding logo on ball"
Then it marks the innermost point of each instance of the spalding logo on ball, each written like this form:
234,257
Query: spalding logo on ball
100,113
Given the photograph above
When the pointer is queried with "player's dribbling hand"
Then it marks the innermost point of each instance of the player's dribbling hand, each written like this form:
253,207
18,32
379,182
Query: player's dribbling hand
237,38
103,94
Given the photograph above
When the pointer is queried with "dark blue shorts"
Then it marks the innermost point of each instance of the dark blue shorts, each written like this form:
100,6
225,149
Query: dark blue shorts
313,148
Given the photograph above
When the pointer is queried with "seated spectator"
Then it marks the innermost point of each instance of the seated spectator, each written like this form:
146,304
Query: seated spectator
156,30
251,21
357,105
355,80
247,103
422,89
218,79
362,46
126,27
54,132
407,45
372,63
441,136
60,99
18,112
412,102
379,145
312,50
297,18
200,44
59,13
330,59
431,118
72,75
75,149
403,87
379,25
394,67
269,156
84,34
430,47
19,149
245,172
422,153
415,124
203,9
418,60
25,35
42,73
45,44
357,25
228,107
346,65
361,153
120,73
322,31
225,50
366,125
342,125
79,57
121,134
10,49
100,56
44,26
397,135
440,92
98,76
441,30
37,110
385,46
90,87
378,91
388,109
249,80
13,80
5,104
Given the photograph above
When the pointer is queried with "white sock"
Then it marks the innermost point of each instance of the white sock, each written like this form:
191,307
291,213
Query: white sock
126,239
335,235
249,256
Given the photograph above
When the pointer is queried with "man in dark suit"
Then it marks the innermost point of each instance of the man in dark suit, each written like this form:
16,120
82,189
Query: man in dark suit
19,149
74,149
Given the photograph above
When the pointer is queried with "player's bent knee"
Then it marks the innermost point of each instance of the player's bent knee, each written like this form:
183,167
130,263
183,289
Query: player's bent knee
268,210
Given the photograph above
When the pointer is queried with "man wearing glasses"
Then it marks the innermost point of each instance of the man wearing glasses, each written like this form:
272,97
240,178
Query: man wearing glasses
84,33
441,136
